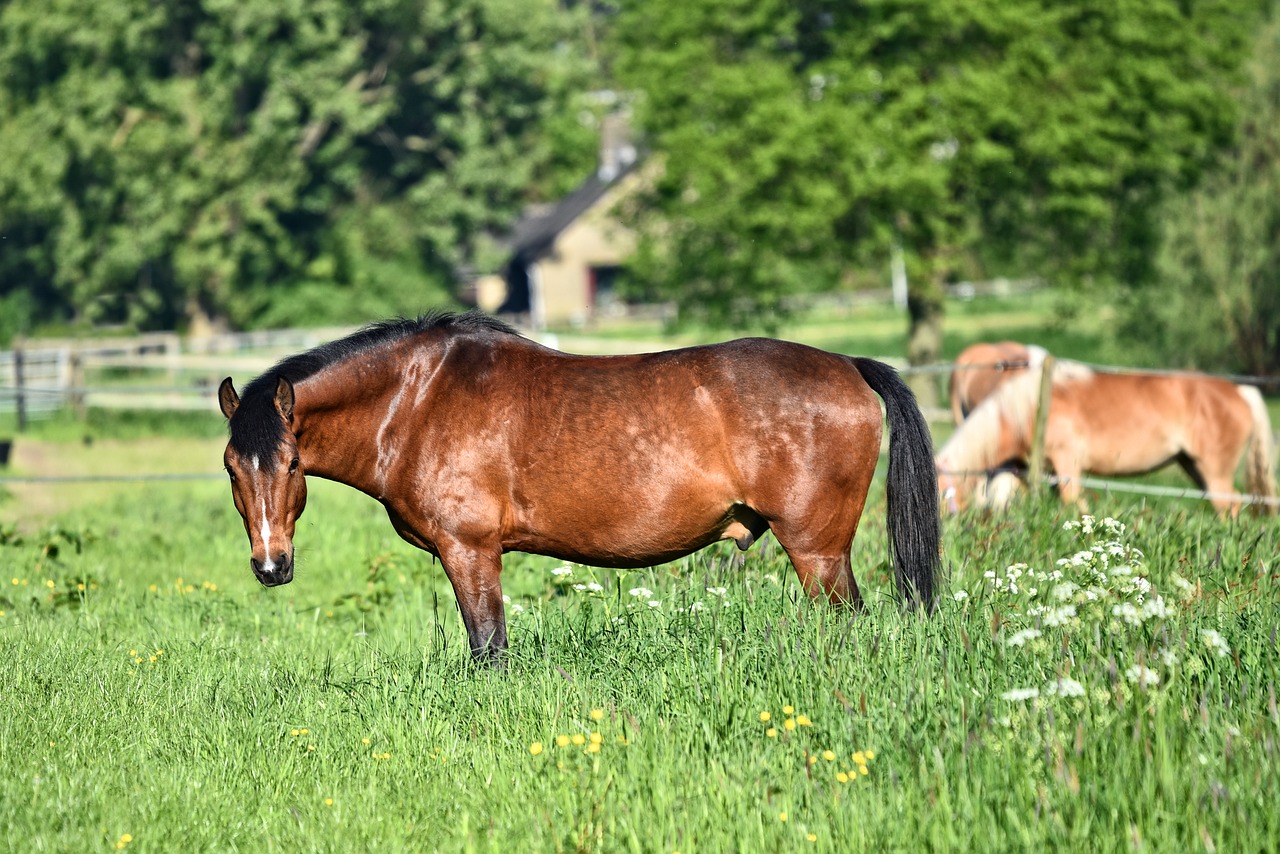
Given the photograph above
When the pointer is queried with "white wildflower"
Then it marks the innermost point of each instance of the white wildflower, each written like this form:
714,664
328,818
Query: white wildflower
641,592
654,603
718,591
696,607
960,595
1065,687
1019,695
1020,638
1215,642
1144,677
1060,616
562,571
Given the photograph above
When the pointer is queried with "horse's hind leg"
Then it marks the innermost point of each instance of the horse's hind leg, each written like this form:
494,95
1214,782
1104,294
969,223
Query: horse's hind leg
475,576
821,559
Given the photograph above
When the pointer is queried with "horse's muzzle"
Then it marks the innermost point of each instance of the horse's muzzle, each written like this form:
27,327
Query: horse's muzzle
273,573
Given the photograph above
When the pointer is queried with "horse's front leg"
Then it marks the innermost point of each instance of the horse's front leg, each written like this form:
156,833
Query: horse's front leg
475,574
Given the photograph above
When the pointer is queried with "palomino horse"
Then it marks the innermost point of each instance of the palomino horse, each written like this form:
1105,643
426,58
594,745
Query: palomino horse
1117,424
982,368
480,442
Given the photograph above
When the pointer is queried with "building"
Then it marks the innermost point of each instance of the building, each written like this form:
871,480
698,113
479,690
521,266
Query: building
565,257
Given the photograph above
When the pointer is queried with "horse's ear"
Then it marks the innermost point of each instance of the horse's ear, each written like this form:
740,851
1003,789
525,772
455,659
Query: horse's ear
284,398
228,400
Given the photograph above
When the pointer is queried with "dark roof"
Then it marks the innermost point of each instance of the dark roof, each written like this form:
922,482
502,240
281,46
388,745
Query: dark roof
534,234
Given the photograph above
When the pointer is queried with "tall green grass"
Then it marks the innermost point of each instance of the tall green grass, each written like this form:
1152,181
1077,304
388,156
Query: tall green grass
156,699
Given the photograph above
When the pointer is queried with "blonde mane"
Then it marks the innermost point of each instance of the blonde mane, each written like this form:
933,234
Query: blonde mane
974,446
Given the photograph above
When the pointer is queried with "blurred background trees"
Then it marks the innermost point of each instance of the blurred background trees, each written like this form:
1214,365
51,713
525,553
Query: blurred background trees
186,163
272,162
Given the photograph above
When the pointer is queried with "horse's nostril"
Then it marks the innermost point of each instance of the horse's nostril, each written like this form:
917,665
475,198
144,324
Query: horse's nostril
282,560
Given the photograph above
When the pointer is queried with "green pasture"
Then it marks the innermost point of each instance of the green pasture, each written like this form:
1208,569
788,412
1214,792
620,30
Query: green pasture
156,698
154,690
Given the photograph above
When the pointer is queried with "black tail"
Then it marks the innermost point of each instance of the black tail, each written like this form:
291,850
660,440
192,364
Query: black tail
914,529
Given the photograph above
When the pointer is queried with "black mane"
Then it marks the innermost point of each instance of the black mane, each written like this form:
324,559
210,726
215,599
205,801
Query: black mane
255,428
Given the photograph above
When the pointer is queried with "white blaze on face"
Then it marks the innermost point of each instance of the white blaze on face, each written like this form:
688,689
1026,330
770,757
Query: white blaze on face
268,565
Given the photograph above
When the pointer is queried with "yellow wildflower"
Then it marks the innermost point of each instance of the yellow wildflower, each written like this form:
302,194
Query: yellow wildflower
788,710
782,816
812,837
596,738
562,741
842,777
860,758
764,717
593,747
871,754
771,732
597,714
829,755
789,724
328,802
803,720
579,739
535,748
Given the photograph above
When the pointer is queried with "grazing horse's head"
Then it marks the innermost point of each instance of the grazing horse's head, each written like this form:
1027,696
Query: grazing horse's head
267,480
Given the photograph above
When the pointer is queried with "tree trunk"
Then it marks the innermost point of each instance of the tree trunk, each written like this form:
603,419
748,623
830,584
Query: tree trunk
924,342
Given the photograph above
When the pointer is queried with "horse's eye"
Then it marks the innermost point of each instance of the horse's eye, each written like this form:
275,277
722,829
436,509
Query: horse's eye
230,473
293,466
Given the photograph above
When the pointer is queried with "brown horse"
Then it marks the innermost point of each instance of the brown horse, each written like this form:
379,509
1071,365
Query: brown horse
1117,424
982,368
479,442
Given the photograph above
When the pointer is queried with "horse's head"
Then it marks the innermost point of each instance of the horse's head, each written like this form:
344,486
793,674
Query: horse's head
267,482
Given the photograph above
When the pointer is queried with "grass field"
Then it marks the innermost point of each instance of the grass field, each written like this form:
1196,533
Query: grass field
157,699
1077,690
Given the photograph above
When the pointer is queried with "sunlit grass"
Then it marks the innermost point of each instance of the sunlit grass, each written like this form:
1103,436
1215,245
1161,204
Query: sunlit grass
155,691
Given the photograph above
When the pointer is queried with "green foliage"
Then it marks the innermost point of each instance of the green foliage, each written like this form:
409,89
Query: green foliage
184,706
166,159
800,139
1216,302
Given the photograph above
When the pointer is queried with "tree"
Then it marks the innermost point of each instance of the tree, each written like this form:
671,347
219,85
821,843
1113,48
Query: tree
1215,303
800,139
220,158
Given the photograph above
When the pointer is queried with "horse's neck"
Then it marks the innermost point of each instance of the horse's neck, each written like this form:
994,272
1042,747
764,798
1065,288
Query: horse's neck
336,421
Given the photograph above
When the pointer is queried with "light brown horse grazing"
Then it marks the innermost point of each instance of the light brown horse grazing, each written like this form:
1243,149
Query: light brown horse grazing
478,442
1117,424
982,368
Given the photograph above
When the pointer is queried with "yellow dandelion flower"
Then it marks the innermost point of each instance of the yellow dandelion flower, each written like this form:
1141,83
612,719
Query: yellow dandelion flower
622,739
295,732
871,754
782,816
535,748
789,724
126,838
597,714
771,732
829,755
159,652
153,588
764,717
48,582
803,720
579,739
133,652
596,738
812,837
153,659
842,777
862,769
364,740
80,586
562,741
328,802
15,582
812,760
860,758
593,747
304,731
788,710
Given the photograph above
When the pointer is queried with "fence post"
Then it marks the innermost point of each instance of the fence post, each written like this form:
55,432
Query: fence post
19,394
77,393
1035,465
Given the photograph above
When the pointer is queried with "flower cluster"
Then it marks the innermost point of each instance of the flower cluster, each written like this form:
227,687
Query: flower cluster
588,740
